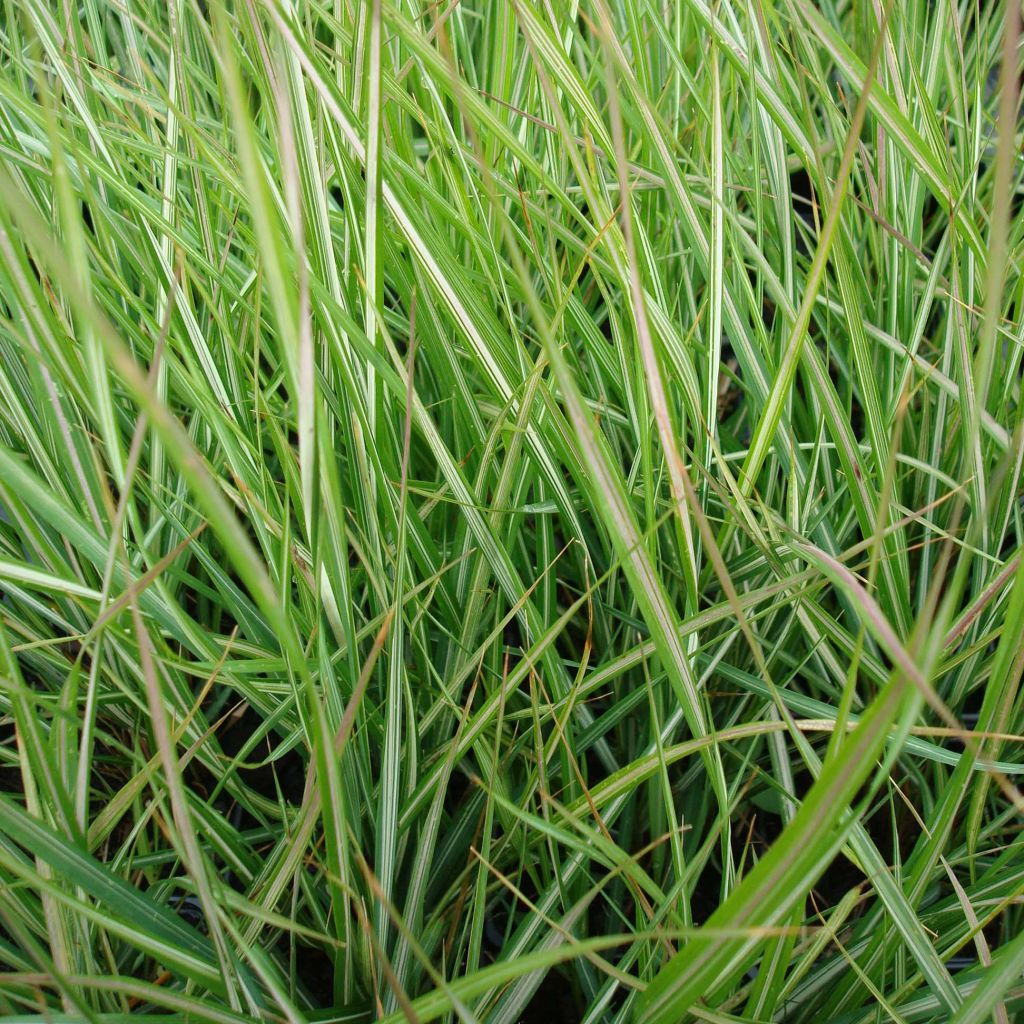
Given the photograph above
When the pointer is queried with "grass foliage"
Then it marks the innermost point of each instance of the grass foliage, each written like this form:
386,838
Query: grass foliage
510,510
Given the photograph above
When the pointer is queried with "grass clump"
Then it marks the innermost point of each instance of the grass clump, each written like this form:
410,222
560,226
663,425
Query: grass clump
511,511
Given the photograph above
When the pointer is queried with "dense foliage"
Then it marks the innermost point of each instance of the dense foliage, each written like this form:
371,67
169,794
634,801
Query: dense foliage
510,510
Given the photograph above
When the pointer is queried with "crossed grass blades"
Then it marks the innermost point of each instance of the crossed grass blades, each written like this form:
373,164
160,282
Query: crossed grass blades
511,511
